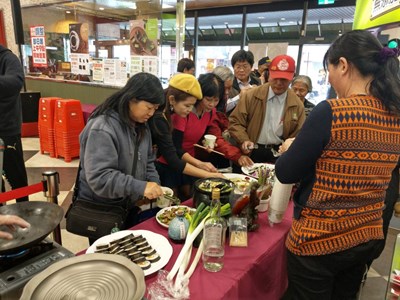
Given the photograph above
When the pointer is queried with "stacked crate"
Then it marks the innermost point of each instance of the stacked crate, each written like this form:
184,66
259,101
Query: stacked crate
68,124
46,125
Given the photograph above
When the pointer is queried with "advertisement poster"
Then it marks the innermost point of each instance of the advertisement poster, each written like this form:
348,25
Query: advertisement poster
79,37
38,42
147,64
143,37
80,64
121,72
109,71
98,70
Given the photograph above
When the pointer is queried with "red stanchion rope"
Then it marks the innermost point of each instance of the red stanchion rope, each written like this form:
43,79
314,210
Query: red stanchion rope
21,192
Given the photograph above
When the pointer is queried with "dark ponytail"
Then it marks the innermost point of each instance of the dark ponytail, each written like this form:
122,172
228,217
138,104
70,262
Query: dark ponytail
364,51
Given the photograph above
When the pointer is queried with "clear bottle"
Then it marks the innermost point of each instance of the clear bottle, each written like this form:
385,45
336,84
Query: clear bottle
214,236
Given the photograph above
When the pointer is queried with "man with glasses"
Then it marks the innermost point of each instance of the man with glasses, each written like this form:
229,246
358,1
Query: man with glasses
242,63
269,114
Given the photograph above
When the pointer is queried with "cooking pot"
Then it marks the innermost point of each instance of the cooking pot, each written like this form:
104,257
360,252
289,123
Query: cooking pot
204,195
43,218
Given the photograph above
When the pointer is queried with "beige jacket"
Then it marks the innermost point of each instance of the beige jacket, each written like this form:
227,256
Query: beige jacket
245,122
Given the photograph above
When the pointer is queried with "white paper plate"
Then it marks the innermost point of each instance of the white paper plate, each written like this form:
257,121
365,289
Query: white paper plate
169,208
155,240
251,171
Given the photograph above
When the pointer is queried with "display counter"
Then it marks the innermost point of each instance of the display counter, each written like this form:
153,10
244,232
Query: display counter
86,92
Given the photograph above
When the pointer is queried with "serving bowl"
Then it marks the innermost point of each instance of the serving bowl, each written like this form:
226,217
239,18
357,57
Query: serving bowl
203,189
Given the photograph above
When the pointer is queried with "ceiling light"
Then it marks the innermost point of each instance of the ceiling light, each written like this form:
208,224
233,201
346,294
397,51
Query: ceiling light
67,11
101,8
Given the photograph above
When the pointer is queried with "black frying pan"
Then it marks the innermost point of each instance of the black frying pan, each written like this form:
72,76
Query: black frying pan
43,217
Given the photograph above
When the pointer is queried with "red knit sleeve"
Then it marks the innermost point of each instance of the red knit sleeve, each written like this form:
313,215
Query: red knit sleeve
218,125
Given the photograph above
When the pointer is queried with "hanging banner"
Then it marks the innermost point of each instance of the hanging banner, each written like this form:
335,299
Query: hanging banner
79,37
143,37
38,43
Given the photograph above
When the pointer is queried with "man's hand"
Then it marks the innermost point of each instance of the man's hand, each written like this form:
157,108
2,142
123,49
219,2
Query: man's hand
286,144
247,146
245,161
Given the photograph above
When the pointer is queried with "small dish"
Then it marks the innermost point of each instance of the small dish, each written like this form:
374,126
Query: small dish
252,171
162,201
167,214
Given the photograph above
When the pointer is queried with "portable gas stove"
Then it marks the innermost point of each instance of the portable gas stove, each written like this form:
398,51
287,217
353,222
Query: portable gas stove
18,268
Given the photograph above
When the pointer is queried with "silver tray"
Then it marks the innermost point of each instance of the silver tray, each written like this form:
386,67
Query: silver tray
90,276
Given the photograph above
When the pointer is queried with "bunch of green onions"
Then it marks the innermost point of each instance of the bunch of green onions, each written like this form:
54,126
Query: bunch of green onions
195,227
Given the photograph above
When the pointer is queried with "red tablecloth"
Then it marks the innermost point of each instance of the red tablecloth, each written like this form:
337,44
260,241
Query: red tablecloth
255,272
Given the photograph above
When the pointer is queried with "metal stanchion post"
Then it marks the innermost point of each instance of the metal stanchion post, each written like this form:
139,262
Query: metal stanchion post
51,180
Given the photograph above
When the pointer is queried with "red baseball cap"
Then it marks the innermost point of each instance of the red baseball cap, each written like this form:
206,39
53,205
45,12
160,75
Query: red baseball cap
282,66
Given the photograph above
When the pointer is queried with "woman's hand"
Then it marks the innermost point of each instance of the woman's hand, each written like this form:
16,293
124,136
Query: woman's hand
217,175
152,190
286,144
11,221
207,166
245,161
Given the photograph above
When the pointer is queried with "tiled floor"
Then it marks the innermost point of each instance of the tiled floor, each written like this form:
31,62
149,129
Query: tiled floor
36,163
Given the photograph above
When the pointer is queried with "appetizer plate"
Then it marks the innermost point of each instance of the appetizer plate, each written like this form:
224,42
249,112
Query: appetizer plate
155,240
252,171
168,213
241,181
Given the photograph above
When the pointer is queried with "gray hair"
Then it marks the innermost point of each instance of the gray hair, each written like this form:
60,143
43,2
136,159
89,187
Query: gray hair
303,79
223,72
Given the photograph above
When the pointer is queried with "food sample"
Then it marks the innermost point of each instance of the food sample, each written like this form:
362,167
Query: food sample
241,183
136,248
170,213
208,185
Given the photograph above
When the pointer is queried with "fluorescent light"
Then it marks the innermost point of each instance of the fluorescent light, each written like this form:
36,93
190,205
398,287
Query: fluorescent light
101,8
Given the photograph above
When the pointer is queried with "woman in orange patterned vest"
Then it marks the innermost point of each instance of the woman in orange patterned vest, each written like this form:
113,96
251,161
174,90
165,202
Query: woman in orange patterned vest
343,157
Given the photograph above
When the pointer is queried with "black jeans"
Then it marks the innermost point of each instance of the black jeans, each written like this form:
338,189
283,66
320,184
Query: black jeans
13,164
334,276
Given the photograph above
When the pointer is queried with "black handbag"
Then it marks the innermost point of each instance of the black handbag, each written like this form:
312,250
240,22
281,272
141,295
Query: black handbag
94,219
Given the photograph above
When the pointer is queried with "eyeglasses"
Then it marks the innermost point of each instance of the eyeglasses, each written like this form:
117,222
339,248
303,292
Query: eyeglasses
242,67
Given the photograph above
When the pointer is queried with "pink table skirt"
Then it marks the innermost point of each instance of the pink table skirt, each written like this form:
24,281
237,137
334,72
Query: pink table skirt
255,272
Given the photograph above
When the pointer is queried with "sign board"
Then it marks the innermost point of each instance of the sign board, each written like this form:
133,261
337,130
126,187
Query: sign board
376,13
325,2
380,7
38,43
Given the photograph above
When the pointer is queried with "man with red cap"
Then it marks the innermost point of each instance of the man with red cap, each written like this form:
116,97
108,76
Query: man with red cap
268,114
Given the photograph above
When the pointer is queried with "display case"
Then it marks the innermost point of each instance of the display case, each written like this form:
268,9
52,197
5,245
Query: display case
393,288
